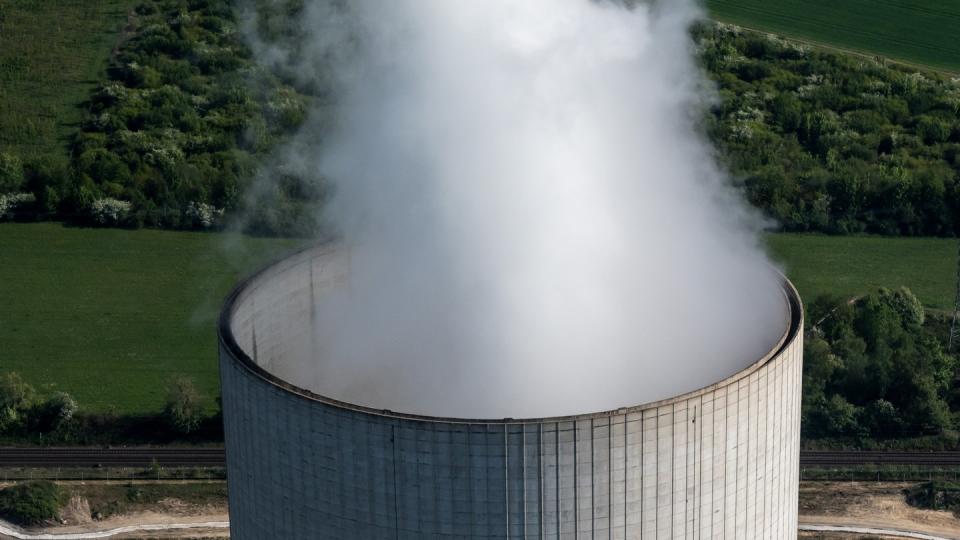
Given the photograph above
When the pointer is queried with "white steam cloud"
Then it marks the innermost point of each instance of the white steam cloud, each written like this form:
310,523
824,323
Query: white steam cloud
535,223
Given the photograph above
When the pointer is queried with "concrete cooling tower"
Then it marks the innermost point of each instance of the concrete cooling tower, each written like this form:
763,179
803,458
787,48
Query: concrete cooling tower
717,462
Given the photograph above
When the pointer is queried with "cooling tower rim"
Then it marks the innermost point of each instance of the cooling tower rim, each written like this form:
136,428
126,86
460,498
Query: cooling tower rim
228,342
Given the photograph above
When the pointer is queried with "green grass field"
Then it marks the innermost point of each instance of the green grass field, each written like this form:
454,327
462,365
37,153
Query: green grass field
52,54
916,31
109,315
849,265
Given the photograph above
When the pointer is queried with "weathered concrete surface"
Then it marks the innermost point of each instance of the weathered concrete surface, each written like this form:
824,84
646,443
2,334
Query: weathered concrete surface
721,462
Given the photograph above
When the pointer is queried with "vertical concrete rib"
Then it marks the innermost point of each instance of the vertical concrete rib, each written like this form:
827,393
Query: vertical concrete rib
506,477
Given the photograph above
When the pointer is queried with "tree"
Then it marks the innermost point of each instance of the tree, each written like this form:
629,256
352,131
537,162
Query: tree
872,367
932,130
11,173
906,304
835,416
56,411
881,418
16,396
184,408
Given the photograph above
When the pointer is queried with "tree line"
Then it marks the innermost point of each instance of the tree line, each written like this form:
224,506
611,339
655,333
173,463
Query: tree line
834,143
175,136
187,121
57,418
875,370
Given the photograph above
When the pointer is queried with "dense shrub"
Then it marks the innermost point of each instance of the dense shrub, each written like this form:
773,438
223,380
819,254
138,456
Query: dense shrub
833,143
16,398
873,370
181,127
55,412
30,503
184,407
819,141
11,173
936,496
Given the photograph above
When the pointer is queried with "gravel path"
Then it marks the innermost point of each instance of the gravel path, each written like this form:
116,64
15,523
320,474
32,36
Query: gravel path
9,531
869,530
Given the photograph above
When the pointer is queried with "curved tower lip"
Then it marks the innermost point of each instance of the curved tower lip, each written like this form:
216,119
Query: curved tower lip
238,355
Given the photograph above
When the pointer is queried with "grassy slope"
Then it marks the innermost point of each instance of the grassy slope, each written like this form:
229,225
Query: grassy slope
916,31
52,53
850,265
109,315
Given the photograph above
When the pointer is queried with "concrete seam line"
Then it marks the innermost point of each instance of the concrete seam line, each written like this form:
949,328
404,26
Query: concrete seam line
9,531
871,530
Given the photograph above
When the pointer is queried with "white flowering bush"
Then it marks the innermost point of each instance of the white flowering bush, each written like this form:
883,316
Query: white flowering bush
286,108
203,214
741,131
108,211
111,92
10,201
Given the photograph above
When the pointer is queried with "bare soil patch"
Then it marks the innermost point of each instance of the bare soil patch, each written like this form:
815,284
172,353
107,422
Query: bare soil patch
870,504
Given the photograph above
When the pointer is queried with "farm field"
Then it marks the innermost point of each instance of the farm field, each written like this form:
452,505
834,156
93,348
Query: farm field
52,54
915,31
108,315
852,265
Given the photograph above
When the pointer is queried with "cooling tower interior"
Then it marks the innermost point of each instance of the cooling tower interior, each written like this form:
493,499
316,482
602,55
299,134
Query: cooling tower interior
719,461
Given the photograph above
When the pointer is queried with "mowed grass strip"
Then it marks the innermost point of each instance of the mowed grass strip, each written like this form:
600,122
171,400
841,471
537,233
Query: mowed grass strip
916,31
109,315
52,54
850,266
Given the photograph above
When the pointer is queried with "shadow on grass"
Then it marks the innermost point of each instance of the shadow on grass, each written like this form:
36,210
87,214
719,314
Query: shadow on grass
112,430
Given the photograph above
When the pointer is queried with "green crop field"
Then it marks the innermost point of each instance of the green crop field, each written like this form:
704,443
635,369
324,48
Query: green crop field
52,53
916,31
853,265
109,315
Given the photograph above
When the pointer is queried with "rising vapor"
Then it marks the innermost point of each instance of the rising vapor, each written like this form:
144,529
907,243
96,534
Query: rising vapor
536,225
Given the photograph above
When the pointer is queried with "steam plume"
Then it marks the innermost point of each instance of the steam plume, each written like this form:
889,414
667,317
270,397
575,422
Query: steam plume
536,226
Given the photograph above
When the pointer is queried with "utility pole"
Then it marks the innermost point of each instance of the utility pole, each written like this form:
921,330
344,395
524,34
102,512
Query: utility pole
955,324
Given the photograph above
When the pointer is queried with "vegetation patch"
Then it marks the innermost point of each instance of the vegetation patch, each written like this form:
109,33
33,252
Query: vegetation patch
30,503
936,496
832,143
873,371
177,134
184,131
920,31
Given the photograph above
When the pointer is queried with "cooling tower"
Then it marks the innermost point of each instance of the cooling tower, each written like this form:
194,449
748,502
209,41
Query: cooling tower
718,462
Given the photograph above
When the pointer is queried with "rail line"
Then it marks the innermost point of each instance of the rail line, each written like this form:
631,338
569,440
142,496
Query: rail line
41,457
810,458
111,457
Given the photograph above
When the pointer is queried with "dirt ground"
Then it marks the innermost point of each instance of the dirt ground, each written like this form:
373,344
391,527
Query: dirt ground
145,518
865,504
870,504
123,503
841,536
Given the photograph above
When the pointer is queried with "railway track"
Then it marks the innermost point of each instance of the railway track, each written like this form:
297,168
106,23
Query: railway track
111,457
839,459
214,457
